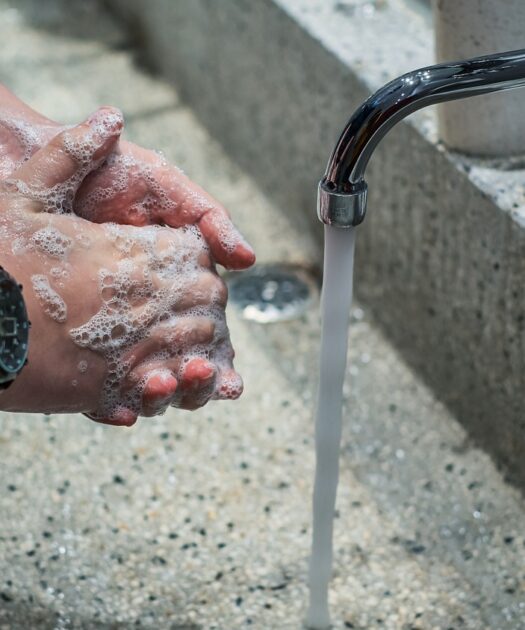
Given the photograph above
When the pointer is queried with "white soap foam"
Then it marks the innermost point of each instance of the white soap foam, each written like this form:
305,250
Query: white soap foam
28,139
129,174
82,366
132,301
59,273
52,242
49,299
19,245
59,198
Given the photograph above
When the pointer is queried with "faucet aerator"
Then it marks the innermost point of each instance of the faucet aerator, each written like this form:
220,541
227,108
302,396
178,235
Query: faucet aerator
342,209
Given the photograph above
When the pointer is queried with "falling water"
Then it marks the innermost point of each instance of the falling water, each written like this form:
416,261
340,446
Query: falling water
335,310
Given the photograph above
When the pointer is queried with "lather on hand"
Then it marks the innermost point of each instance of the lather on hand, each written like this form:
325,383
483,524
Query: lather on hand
134,186
126,320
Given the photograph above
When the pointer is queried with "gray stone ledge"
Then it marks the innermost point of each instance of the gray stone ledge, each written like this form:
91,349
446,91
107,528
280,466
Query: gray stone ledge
441,256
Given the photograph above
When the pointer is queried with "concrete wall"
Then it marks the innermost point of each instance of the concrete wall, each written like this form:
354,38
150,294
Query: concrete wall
441,259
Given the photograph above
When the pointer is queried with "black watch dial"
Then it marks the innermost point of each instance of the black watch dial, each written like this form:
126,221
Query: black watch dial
14,325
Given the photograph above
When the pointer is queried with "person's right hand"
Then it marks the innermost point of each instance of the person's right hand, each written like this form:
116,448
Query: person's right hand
134,186
125,320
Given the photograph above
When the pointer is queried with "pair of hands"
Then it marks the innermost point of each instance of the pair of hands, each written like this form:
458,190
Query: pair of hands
126,320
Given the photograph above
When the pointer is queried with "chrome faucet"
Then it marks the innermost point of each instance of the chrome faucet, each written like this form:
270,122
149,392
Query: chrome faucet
342,192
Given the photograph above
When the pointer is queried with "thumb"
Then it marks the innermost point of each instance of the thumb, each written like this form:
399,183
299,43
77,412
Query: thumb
54,173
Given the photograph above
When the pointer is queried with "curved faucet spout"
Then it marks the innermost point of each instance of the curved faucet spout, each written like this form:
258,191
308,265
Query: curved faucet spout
342,191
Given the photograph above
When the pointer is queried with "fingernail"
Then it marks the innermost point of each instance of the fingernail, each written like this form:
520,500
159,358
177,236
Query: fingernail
230,386
160,387
198,370
243,255
247,253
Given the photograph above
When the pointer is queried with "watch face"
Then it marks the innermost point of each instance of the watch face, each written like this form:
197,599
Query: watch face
14,325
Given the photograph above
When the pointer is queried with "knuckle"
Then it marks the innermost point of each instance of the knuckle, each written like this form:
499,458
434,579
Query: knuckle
218,290
207,330
204,259
62,148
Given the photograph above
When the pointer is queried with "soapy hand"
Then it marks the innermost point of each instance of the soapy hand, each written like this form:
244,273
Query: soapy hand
134,186
126,320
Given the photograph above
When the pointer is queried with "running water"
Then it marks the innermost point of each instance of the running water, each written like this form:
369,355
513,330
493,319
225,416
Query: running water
335,309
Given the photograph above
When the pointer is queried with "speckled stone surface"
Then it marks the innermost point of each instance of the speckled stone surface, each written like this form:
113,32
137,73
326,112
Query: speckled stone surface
493,125
201,521
441,256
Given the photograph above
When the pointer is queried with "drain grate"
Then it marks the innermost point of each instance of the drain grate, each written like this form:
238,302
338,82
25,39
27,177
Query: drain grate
271,293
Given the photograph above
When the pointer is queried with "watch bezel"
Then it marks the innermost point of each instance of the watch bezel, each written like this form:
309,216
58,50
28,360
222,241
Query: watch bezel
7,373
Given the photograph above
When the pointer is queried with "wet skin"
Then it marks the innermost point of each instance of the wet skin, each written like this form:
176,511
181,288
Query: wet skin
149,181
166,361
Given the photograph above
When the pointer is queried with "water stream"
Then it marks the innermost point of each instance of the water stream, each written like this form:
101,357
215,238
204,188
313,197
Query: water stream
335,310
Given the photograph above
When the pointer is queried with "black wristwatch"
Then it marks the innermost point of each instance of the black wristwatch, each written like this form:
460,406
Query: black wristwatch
14,329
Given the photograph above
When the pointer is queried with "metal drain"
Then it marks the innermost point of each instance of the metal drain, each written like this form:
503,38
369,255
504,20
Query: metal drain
271,293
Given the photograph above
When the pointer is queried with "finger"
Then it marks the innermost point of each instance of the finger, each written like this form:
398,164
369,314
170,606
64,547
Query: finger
156,193
194,205
159,390
187,332
228,247
71,154
190,373
208,290
195,371
226,243
229,385
120,417
197,383
115,193
160,384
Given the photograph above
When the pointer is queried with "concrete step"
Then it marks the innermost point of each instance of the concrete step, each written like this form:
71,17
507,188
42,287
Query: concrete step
202,520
